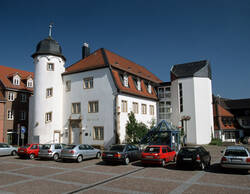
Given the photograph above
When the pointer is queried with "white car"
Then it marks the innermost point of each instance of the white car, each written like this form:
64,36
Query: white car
6,149
237,157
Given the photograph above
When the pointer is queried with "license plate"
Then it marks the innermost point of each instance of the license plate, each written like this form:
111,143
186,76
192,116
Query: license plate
187,159
149,156
21,151
236,160
109,155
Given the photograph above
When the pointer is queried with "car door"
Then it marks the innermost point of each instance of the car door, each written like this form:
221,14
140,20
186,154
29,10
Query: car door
83,151
3,150
91,151
130,152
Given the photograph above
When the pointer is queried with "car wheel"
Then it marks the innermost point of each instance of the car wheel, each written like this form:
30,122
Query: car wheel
126,161
163,163
202,166
56,157
13,153
32,156
98,155
79,159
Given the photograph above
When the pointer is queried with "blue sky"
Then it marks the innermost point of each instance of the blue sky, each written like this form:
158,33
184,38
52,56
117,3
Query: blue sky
155,34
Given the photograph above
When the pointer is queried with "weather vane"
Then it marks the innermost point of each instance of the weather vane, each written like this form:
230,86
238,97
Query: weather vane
50,28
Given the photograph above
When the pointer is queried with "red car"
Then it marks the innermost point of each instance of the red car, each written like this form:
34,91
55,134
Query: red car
158,154
29,150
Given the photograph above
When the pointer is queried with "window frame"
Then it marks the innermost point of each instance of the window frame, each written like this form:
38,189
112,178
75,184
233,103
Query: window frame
68,85
50,66
99,136
143,110
93,106
151,110
49,92
89,81
23,97
10,115
124,106
135,107
46,117
23,115
77,108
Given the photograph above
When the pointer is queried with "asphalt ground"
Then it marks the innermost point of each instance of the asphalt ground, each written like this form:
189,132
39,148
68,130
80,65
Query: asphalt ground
93,176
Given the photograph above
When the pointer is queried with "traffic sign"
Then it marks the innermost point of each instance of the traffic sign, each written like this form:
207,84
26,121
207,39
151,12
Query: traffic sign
23,129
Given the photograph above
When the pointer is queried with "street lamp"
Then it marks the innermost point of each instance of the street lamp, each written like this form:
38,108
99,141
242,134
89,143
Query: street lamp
185,118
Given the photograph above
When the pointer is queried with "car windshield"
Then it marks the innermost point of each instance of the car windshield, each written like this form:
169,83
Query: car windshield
152,150
188,150
69,147
46,146
235,152
118,148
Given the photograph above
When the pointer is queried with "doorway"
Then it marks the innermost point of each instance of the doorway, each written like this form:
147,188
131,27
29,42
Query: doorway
57,138
75,132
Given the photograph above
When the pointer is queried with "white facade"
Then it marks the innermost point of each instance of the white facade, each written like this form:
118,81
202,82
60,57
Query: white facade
197,104
47,131
103,92
140,117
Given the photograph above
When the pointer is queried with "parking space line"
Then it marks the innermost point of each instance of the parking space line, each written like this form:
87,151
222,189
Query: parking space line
105,181
188,183
105,188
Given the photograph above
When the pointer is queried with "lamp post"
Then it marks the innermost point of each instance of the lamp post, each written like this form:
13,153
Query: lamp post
185,118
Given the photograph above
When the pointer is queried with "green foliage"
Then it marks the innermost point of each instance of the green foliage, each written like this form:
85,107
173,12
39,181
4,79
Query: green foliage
135,131
217,142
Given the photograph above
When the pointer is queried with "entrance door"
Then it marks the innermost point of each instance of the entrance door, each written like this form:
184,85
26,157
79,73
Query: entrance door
56,137
75,132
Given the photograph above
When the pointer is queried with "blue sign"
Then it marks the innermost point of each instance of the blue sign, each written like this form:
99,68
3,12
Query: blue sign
23,129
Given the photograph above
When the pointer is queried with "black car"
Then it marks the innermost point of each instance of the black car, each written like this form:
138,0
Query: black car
193,156
123,153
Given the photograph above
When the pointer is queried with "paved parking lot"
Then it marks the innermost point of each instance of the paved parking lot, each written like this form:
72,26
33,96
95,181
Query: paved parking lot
93,176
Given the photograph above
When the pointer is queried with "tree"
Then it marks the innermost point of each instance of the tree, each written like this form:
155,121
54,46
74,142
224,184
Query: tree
135,131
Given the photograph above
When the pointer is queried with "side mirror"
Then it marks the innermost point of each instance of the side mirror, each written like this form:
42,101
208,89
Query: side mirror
221,151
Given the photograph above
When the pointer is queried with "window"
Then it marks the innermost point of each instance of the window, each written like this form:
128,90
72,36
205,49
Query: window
165,110
149,88
30,83
98,133
49,92
76,108
50,66
144,109
68,85
88,83
161,92
93,107
23,97
11,96
22,115
16,81
125,80
124,106
48,117
151,110
10,115
181,97
135,107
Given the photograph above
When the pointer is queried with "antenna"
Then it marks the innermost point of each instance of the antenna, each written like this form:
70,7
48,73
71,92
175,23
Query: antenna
50,28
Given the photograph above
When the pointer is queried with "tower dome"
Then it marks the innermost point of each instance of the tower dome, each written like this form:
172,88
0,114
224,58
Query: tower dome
48,46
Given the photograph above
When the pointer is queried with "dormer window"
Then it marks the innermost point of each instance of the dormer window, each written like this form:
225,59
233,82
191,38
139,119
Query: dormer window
50,66
125,80
139,84
149,88
16,80
30,83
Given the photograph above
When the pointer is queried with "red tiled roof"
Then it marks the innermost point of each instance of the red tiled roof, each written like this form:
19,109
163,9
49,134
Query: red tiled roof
1,97
104,58
5,72
222,112
132,89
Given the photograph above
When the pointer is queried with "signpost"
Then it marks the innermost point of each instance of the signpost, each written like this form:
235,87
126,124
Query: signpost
23,130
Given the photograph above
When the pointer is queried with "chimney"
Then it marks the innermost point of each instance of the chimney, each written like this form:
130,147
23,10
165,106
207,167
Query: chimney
85,50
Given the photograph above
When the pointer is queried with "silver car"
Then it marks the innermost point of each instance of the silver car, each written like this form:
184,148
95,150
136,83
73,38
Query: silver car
50,151
237,157
80,152
6,149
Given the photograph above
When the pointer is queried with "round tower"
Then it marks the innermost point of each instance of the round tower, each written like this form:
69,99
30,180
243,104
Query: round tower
48,92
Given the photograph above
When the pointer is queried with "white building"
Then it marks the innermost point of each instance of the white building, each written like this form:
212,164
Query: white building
89,101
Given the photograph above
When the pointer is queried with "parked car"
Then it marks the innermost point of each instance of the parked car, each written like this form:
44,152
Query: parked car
122,153
29,150
245,140
6,149
158,154
193,156
79,152
237,157
51,151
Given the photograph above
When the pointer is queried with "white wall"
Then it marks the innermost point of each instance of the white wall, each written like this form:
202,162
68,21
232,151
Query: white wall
144,118
46,79
197,103
104,92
